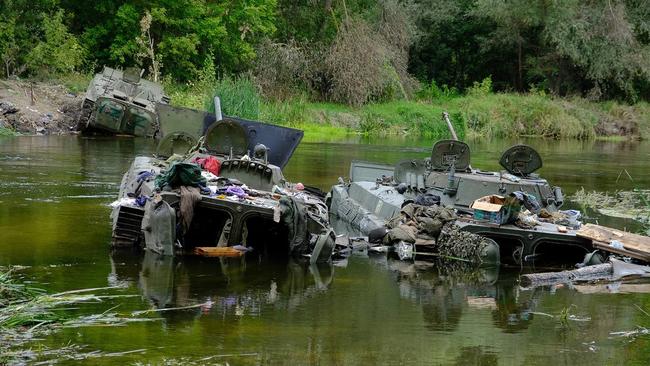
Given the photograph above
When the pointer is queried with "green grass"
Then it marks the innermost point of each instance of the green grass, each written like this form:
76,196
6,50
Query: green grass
76,82
6,132
491,115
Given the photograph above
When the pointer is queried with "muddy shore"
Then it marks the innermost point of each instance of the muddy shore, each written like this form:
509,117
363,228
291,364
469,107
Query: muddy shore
38,108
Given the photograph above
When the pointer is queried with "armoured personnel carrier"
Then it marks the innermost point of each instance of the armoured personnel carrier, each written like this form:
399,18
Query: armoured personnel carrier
121,102
217,182
376,193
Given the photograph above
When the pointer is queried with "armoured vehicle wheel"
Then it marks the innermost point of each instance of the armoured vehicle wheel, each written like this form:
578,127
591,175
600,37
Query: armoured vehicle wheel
83,118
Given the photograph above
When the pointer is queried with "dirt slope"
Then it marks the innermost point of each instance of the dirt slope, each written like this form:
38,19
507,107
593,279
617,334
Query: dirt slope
53,110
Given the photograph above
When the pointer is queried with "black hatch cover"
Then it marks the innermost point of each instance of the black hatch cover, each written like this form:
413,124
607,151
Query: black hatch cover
281,141
521,160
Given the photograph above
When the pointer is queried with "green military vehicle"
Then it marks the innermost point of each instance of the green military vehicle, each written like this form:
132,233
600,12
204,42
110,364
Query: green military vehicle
122,103
375,193
215,182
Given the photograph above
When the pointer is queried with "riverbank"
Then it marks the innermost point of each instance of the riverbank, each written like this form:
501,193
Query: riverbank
38,108
489,115
483,114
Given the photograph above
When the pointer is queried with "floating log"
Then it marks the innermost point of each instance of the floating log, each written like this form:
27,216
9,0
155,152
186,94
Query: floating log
615,288
614,270
218,252
590,273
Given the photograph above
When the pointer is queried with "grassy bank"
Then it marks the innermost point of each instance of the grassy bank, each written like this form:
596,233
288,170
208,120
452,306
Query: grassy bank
494,115
6,132
474,115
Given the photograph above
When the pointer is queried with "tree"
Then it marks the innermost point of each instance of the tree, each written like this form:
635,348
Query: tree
8,46
598,37
21,28
58,51
146,43
517,25
449,45
184,33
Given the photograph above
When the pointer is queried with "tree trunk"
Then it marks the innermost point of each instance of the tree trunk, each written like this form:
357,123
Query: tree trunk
519,66
327,7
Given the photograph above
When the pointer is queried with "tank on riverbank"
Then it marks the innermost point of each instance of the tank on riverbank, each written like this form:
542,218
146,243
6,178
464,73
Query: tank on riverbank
526,222
121,102
216,183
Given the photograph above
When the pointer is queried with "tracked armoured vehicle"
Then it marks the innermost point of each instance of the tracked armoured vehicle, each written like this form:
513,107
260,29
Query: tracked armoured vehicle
122,103
216,183
376,193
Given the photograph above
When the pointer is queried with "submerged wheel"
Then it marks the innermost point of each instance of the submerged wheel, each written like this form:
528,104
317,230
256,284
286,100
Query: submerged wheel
84,116
490,253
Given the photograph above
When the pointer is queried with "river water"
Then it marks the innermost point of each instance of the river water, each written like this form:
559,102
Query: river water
54,196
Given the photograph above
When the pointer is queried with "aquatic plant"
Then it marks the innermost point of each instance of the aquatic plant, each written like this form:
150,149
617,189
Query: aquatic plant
565,315
28,313
634,204
12,291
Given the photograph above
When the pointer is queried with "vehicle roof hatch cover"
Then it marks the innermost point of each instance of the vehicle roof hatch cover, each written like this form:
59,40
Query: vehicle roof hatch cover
521,160
448,152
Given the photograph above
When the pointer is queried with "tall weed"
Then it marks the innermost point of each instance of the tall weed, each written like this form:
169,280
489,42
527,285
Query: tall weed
239,97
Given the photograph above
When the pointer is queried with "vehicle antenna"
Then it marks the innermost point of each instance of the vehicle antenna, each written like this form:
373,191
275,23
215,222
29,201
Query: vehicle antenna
445,115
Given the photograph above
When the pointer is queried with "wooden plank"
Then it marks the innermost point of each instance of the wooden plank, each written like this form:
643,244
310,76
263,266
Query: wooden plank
218,252
622,288
633,254
632,242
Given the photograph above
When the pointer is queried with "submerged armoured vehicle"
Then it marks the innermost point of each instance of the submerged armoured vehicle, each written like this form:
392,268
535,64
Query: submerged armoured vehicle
121,102
217,182
376,193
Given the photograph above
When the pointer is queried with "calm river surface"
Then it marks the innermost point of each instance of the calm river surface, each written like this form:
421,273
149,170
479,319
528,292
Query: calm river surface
54,218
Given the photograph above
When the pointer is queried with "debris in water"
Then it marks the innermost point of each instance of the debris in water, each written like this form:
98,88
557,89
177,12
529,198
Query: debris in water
633,204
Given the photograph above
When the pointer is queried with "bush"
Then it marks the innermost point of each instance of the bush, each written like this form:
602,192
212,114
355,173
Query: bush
373,124
280,69
513,115
432,92
481,89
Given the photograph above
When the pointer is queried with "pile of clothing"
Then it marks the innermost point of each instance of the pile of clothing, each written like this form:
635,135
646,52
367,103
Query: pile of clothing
307,223
181,174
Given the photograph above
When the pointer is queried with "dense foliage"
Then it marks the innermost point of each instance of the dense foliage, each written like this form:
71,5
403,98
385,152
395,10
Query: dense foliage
351,51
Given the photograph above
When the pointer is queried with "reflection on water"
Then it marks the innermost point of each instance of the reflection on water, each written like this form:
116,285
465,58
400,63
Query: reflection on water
225,285
445,288
54,193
